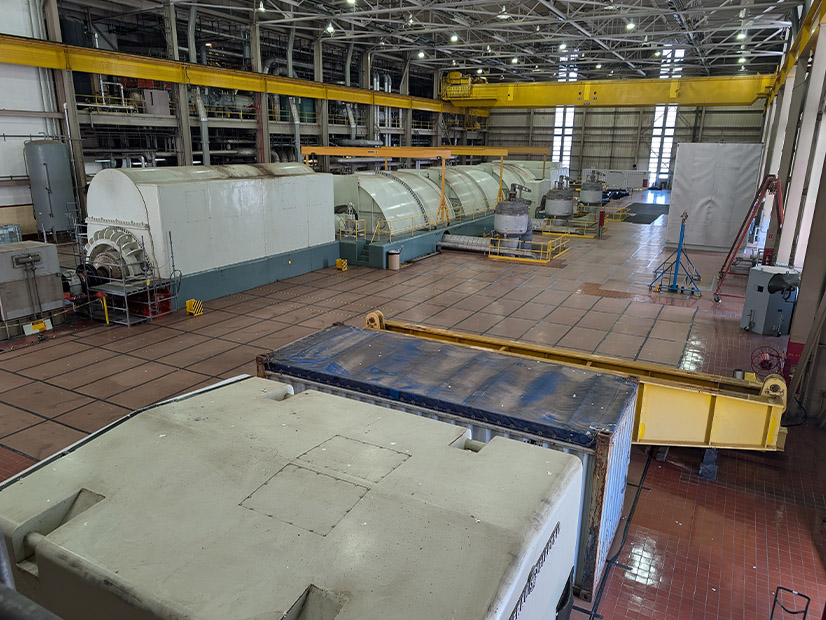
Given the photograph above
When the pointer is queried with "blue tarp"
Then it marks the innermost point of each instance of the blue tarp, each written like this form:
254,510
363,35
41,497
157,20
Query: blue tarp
546,399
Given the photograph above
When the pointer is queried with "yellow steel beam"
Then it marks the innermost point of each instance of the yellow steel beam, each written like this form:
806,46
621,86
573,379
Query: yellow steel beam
479,151
807,35
388,152
705,91
49,55
674,407
528,150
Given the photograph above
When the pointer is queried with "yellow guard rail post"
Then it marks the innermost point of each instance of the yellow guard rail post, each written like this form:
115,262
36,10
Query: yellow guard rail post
674,407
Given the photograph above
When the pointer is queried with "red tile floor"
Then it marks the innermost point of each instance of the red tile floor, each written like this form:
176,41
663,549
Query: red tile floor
695,549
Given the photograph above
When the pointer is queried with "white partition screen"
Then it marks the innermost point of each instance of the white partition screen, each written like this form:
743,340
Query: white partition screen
714,184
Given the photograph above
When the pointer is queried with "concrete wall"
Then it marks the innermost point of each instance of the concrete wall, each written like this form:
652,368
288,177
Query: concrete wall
621,137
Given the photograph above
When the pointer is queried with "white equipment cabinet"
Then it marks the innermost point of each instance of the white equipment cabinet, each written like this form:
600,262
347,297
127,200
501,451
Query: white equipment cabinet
244,501
770,298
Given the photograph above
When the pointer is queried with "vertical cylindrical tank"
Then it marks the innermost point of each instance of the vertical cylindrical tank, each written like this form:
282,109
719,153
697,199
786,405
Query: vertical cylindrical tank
590,193
559,202
50,177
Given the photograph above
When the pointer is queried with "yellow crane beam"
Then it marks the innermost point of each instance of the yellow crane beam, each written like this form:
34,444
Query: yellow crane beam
703,91
50,55
674,407
806,35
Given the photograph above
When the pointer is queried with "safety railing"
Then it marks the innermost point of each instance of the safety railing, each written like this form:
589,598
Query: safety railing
586,226
528,251
616,213
285,116
388,230
352,229
226,112
128,105
423,124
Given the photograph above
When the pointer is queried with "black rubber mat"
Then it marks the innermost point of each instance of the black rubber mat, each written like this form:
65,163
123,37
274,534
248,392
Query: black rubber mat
645,213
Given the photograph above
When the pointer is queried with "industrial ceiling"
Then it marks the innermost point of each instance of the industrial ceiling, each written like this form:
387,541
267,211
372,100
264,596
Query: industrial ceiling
525,41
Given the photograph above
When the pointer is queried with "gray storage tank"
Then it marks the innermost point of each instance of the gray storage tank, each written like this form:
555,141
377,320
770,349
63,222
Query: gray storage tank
50,177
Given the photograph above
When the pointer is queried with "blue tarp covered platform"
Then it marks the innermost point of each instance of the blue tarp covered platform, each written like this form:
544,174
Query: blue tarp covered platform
552,401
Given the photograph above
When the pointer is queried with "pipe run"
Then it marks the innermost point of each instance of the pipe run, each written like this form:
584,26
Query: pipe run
296,124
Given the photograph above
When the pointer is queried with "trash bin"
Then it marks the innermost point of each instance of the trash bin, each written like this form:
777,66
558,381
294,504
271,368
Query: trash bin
394,259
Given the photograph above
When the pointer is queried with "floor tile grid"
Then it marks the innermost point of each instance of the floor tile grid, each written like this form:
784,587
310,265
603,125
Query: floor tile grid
728,551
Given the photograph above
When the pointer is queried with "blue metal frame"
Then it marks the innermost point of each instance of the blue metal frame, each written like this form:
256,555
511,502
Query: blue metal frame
670,269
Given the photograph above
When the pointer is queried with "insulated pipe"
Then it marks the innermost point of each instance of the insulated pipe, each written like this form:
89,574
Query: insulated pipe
347,63
290,44
296,125
352,119
190,35
202,117
360,143
199,102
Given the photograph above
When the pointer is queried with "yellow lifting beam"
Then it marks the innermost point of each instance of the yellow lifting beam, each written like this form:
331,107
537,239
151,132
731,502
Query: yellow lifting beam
674,407
692,91
50,55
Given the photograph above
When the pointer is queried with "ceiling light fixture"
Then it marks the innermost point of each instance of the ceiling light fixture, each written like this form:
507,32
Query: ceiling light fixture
599,65
478,71
742,60
454,37
330,28
261,6
514,60
741,36
208,44
487,49
351,1
563,46
421,54
630,26
658,53
503,14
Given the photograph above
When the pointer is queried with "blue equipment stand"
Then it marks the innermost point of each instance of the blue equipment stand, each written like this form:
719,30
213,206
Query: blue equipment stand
669,269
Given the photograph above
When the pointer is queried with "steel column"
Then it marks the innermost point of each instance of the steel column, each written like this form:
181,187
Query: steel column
65,93
183,137
262,100
804,152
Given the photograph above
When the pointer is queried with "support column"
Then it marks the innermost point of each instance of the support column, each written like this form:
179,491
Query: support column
183,137
812,286
366,83
437,129
322,106
530,126
407,113
803,159
67,106
262,100
438,136
779,134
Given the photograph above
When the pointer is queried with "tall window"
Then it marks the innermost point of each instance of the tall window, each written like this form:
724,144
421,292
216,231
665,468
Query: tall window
564,116
665,120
